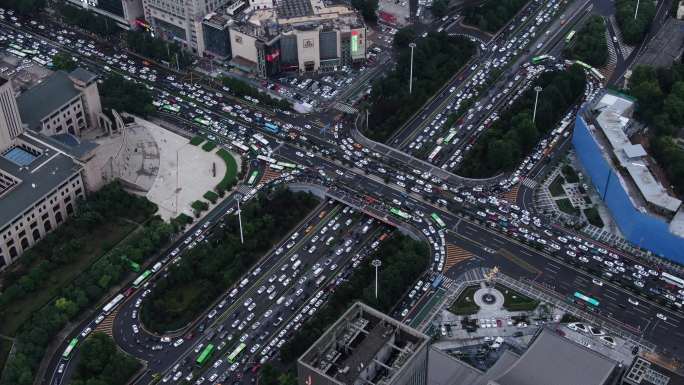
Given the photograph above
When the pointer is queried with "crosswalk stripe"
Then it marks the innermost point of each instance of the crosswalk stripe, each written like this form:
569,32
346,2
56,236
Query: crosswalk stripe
107,324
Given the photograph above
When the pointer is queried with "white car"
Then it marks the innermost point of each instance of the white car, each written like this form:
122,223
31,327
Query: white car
633,301
597,282
661,316
178,342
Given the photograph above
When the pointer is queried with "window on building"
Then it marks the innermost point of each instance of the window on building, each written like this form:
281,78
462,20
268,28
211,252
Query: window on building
47,225
13,252
24,243
36,235
58,217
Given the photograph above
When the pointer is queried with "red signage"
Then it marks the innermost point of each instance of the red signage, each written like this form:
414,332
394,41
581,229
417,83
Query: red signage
273,56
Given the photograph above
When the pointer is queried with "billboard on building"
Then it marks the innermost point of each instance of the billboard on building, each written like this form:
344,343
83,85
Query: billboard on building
358,44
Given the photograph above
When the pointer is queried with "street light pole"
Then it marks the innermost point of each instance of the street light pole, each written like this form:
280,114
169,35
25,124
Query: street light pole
412,45
636,10
239,213
376,263
537,89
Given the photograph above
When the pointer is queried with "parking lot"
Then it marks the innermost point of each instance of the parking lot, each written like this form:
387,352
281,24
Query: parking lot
317,89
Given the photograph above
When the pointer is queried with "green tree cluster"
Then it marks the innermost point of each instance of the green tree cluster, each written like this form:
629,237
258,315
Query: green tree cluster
403,259
102,363
240,89
440,8
88,20
436,59
213,266
25,7
368,9
89,287
157,49
634,31
660,104
125,96
491,15
513,136
590,45
64,61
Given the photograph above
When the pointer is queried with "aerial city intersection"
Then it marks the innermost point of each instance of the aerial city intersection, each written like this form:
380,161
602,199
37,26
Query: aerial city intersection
304,191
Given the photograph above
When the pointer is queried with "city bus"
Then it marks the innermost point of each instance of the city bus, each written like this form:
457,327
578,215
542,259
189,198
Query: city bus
570,36
259,138
266,159
67,352
449,137
171,108
596,73
236,353
111,305
589,300
541,58
240,146
438,220
39,61
434,153
206,353
142,278
272,128
203,122
671,279
276,166
287,165
252,178
400,213
16,53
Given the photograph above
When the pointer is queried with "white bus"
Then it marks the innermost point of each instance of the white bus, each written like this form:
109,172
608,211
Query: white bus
113,304
266,159
259,138
240,146
671,279
434,153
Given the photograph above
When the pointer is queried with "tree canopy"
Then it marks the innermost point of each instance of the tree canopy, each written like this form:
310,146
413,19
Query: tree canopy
660,104
25,7
590,45
88,20
157,49
125,96
368,9
213,266
634,30
514,135
436,59
492,15
102,363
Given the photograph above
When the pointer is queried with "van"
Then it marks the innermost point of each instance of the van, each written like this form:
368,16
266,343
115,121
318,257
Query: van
244,282
157,266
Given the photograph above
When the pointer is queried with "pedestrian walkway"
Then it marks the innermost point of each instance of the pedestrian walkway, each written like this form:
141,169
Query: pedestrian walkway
625,49
343,107
528,182
455,255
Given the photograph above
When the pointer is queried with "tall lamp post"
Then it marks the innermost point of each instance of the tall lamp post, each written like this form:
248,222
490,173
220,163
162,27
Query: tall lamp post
239,213
412,45
537,89
636,10
376,263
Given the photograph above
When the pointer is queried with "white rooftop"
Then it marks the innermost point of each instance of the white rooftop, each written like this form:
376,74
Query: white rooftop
631,156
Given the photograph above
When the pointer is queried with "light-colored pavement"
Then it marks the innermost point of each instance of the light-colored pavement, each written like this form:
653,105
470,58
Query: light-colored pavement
185,172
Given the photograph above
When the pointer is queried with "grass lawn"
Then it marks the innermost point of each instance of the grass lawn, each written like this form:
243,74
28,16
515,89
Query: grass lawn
565,206
5,346
102,239
231,170
556,187
465,305
514,301
208,146
593,216
196,140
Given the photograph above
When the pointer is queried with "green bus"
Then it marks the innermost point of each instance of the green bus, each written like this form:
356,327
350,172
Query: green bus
171,108
206,353
570,36
541,58
236,353
438,220
586,299
252,177
400,214
67,352
142,278
449,137
203,122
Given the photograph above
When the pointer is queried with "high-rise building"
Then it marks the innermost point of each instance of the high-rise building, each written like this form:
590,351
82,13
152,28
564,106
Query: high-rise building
178,20
125,13
10,120
366,346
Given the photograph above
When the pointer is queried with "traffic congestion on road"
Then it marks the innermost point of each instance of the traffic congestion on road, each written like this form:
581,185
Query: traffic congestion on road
248,325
